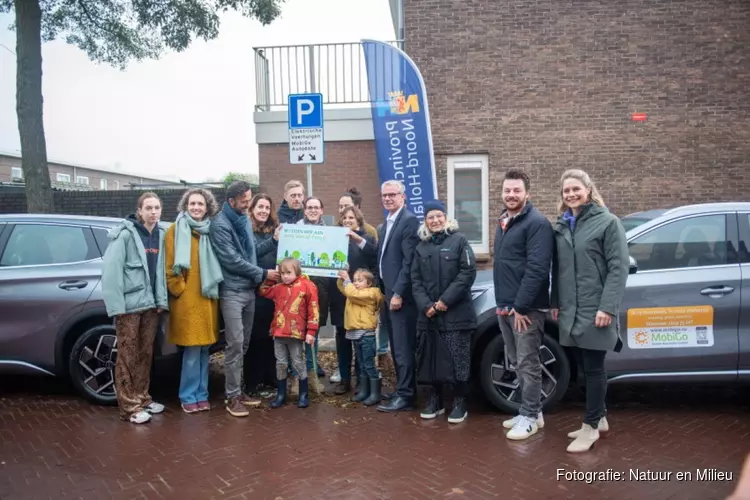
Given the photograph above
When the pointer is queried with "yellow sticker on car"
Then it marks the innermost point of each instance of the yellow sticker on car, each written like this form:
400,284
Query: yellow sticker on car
657,327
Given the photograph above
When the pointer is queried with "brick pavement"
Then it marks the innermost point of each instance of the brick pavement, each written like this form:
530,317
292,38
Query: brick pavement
54,445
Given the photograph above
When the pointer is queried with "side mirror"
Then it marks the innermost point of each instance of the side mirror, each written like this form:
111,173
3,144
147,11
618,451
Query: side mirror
633,266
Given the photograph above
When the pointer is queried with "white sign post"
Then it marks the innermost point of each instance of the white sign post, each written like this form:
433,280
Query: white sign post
306,141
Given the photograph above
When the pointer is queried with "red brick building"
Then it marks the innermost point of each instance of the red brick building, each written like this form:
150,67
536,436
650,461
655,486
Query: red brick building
546,85
71,176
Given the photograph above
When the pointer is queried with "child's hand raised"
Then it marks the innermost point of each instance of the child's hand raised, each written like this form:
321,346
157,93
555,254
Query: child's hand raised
310,339
344,275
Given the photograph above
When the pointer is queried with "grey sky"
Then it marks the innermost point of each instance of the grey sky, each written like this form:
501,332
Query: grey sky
188,115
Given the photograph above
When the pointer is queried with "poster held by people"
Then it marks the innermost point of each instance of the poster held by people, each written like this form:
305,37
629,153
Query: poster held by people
320,250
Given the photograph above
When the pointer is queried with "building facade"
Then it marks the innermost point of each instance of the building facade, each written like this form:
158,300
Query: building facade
65,175
651,98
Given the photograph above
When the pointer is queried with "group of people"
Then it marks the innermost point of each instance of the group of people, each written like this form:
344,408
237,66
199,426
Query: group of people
406,290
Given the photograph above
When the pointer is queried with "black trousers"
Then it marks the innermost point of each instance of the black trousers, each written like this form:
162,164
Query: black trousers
260,360
401,326
596,383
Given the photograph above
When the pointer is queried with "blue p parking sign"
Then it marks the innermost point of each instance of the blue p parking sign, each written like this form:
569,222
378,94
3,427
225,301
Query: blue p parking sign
306,142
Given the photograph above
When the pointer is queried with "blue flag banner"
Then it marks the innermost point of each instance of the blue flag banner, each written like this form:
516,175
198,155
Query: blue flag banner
401,123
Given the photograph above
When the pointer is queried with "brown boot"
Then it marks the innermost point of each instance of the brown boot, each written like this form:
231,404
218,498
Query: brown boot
235,407
248,401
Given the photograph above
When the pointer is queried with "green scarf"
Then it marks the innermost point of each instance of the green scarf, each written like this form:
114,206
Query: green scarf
210,269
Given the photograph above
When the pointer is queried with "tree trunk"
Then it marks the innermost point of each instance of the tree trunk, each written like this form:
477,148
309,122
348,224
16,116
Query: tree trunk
29,106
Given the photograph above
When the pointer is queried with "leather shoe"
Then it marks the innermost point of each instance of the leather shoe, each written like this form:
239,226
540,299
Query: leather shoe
396,404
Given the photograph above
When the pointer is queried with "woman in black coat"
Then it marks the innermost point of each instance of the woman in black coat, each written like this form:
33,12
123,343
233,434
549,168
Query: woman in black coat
442,274
260,361
363,253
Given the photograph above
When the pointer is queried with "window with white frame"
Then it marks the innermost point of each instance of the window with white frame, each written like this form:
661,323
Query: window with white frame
16,173
468,198
103,184
63,177
117,185
81,179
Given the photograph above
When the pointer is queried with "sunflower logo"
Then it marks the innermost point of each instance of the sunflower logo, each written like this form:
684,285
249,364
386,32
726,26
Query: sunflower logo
641,337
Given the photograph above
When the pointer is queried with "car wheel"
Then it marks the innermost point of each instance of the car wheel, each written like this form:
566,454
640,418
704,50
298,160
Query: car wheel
500,383
91,364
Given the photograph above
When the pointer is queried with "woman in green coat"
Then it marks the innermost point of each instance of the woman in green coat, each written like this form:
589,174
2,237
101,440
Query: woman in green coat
589,273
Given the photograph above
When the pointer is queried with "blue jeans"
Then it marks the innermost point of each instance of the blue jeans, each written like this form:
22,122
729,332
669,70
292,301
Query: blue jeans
194,375
364,349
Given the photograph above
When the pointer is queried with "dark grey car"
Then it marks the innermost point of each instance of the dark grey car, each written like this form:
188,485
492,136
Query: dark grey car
685,315
52,317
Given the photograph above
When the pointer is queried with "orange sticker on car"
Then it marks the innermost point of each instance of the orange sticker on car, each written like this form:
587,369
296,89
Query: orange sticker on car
663,327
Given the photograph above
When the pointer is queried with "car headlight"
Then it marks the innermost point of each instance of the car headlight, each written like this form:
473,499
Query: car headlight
478,292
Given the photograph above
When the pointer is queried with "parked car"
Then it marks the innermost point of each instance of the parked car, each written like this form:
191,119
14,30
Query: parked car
52,316
689,266
685,315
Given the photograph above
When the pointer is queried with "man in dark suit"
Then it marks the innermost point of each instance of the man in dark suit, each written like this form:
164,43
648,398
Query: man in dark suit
397,240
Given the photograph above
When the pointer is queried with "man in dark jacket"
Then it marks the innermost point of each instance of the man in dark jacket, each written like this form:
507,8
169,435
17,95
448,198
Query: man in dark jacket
291,210
232,239
396,243
524,245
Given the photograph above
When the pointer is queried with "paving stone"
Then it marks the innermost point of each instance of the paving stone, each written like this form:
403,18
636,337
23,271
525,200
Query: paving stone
56,445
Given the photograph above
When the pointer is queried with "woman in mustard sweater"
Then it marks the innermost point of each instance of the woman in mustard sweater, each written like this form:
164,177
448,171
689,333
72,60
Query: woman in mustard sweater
193,277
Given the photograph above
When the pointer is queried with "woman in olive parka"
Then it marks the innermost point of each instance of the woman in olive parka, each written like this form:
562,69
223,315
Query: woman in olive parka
589,273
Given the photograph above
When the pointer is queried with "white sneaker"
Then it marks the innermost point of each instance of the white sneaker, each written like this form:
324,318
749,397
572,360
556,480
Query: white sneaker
525,427
511,422
140,418
154,408
336,377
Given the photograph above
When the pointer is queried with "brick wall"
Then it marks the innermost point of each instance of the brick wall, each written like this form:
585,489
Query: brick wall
549,85
99,203
348,163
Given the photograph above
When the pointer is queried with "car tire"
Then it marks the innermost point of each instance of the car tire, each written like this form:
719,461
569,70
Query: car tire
94,352
495,350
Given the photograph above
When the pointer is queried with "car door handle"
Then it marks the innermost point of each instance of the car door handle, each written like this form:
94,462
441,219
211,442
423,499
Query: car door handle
73,285
717,290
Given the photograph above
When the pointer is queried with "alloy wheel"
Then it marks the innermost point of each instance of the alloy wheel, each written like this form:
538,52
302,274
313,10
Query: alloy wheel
507,383
97,365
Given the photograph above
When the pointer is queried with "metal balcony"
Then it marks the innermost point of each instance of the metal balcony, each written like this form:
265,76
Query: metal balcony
337,70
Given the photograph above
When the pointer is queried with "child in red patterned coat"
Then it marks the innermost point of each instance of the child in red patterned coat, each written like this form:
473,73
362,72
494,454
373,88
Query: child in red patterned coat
296,320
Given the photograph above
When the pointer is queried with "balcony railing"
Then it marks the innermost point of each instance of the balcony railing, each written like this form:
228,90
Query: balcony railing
337,70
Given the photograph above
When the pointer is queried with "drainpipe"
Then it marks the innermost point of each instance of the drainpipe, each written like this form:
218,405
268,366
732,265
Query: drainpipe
400,23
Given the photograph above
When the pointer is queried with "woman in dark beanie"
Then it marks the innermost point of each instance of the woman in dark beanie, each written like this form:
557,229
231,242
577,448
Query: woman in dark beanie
260,360
442,274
